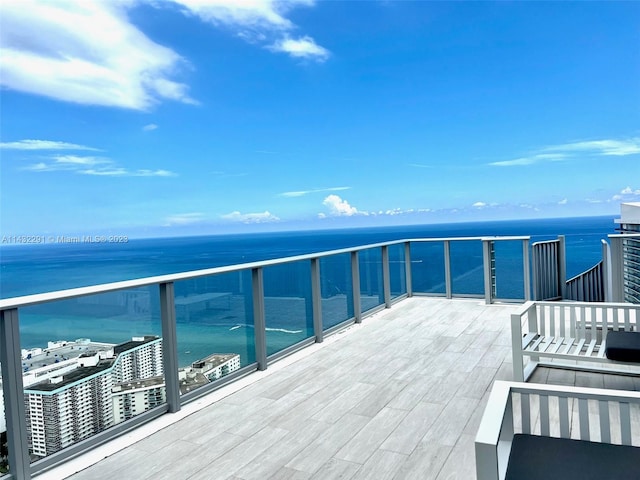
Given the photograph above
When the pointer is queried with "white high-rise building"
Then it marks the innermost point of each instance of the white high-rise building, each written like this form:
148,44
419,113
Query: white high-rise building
66,409
132,398
630,224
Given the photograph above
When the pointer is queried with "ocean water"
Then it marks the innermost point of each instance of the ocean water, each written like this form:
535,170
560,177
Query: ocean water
215,314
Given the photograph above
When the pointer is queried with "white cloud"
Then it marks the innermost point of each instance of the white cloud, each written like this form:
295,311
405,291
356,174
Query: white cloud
150,127
396,211
626,194
105,172
85,52
152,173
123,172
255,14
258,21
301,193
183,219
479,205
528,206
43,145
41,167
564,201
90,165
304,47
602,147
540,157
78,160
264,217
339,207
89,52
593,148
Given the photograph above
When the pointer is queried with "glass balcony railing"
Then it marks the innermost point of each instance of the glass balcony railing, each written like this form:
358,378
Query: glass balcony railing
336,283
397,271
428,272
509,274
371,282
467,268
87,362
288,305
214,327
82,366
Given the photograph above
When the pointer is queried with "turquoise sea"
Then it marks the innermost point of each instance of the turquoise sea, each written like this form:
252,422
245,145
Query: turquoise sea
215,314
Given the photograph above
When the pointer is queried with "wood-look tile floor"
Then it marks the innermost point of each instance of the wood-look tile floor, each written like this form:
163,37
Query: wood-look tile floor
397,397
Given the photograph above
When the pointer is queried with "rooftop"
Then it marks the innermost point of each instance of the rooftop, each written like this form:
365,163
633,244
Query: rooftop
62,350
214,360
133,343
51,385
139,384
398,396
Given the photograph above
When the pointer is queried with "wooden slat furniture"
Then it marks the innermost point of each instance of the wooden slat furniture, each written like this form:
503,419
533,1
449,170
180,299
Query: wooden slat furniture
561,334
533,431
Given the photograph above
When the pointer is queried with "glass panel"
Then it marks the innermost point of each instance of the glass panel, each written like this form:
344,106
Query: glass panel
88,364
4,461
371,286
467,268
336,289
214,323
287,304
427,267
509,270
397,270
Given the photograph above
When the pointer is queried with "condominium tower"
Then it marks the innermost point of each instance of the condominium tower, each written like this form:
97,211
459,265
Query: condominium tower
630,224
65,409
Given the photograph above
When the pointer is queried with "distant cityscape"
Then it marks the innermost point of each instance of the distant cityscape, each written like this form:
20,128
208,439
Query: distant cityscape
75,389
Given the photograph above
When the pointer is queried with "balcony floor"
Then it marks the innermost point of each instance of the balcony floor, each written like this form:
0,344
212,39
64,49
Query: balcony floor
399,396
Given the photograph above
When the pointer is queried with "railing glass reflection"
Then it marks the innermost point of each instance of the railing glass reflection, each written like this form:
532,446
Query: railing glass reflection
509,270
214,327
89,364
287,304
4,454
371,285
427,267
336,289
397,270
467,267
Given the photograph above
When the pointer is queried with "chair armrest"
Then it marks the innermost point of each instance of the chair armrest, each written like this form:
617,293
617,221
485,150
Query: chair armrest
496,426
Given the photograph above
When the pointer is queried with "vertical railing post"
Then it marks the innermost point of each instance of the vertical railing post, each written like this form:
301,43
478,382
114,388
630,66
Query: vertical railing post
355,283
407,268
447,269
259,323
386,276
316,299
535,257
487,257
562,267
169,345
526,265
617,268
606,272
13,391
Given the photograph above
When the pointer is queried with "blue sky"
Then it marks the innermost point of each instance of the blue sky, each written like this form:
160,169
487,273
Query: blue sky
148,118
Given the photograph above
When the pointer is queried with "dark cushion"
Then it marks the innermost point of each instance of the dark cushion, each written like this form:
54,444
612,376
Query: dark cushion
543,458
623,346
